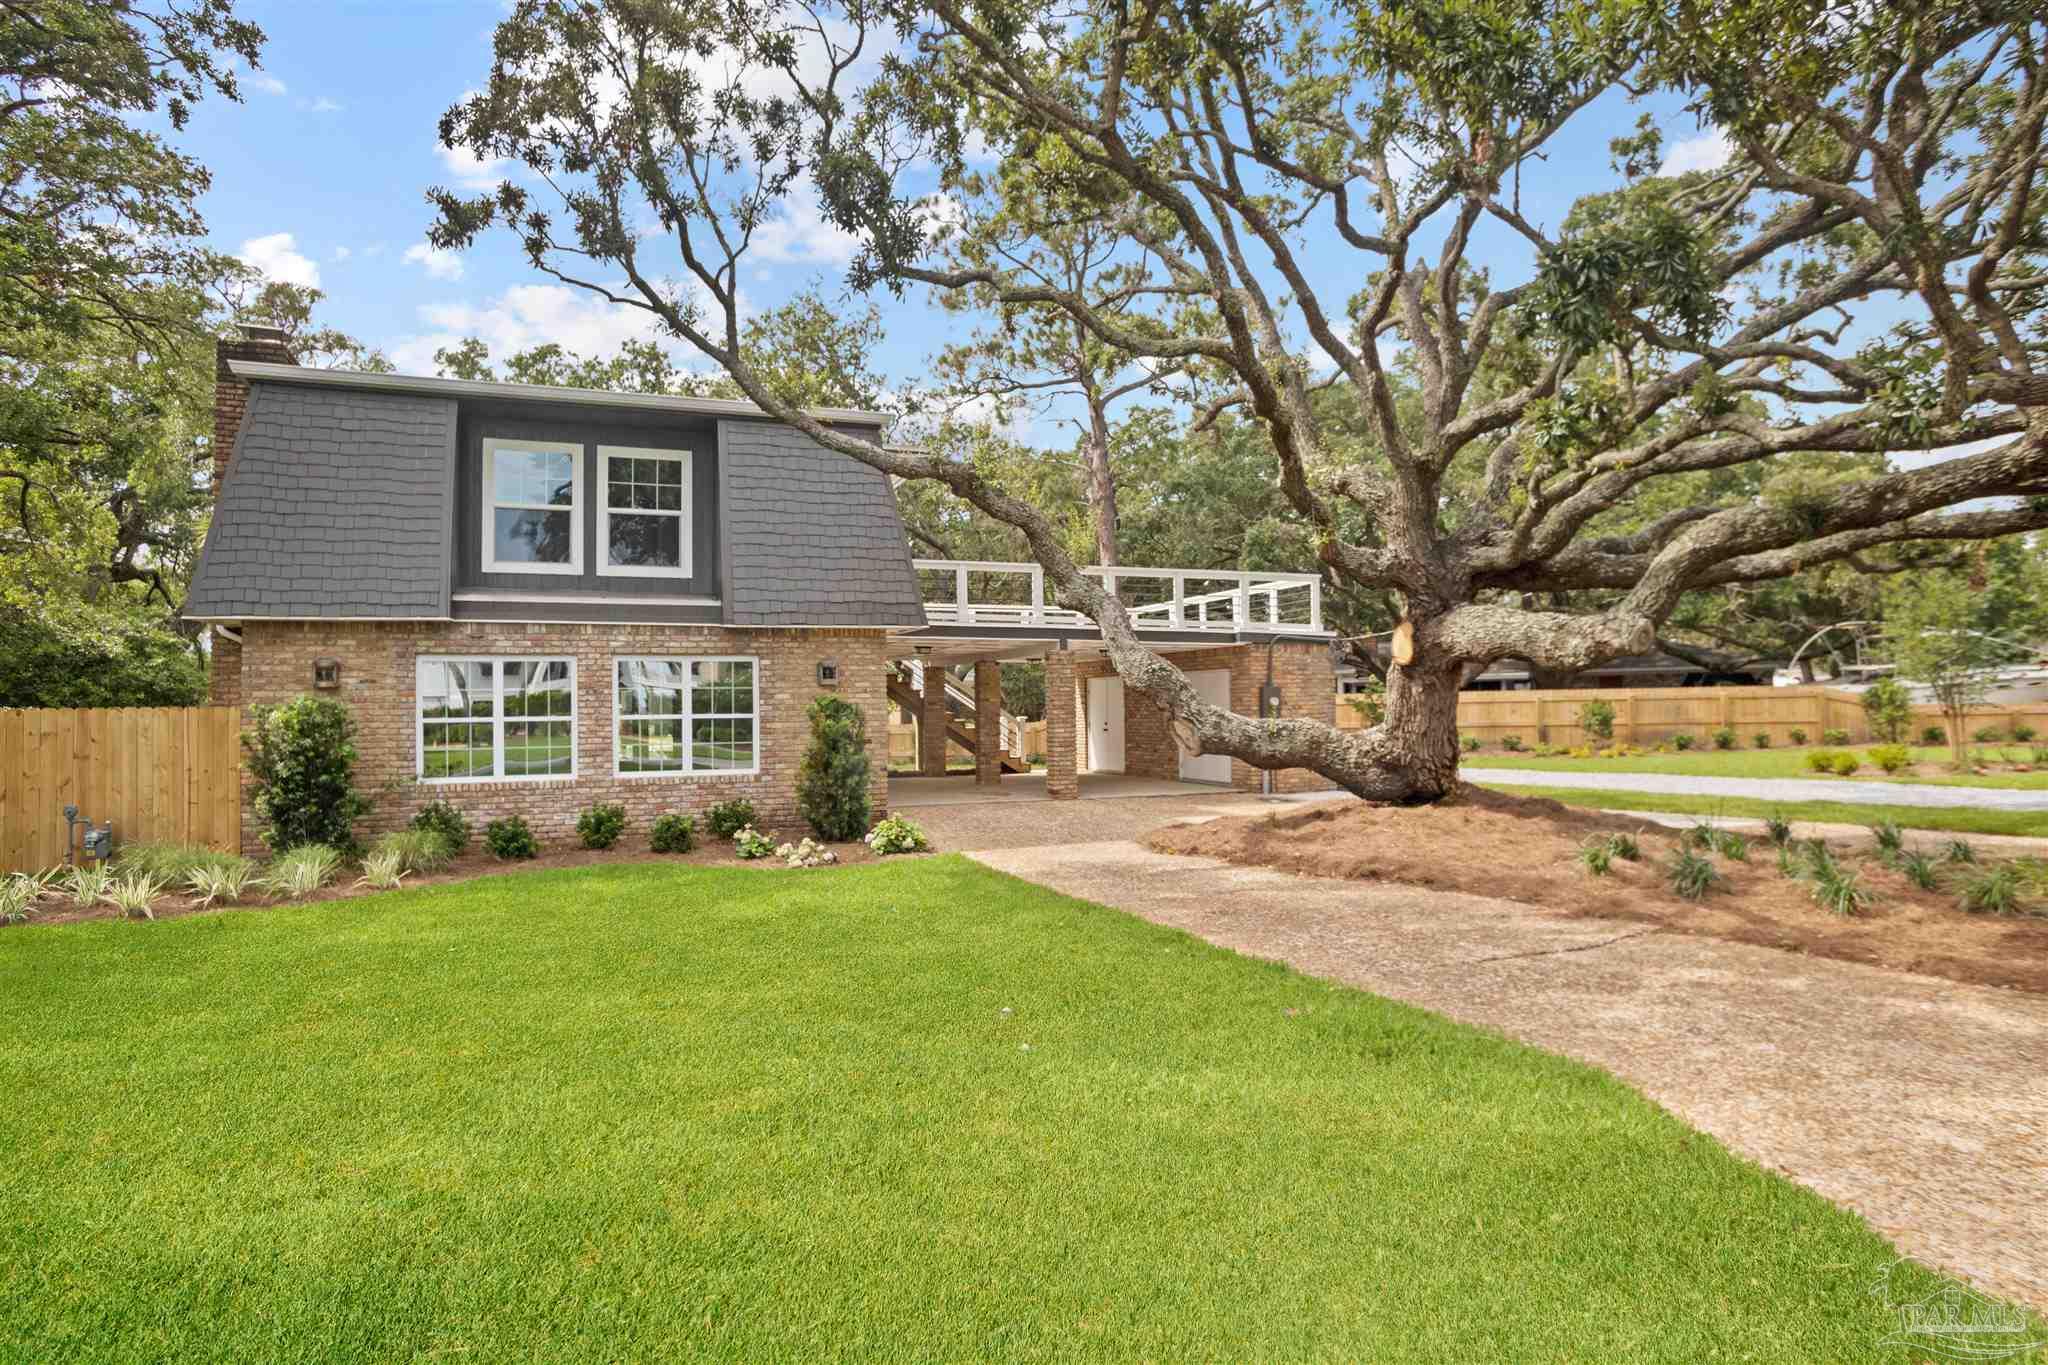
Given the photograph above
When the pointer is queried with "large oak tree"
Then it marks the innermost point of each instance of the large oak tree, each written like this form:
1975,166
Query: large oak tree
1864,275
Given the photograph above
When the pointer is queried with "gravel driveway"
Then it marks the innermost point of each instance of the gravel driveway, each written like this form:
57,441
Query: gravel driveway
1768,788
1918,1103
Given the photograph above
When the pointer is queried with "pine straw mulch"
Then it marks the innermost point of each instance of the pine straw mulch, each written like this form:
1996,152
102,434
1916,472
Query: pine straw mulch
1488,843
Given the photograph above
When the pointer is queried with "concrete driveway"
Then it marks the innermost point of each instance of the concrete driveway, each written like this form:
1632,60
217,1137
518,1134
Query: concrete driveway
1919,1103
1768,788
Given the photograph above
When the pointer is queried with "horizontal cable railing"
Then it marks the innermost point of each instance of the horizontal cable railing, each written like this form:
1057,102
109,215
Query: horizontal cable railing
979,592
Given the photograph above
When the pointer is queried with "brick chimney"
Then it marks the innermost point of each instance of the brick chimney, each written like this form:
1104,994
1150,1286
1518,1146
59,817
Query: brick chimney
257,340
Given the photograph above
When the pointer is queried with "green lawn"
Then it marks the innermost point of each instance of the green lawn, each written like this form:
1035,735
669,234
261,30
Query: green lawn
1961,820
908,1111
1766,763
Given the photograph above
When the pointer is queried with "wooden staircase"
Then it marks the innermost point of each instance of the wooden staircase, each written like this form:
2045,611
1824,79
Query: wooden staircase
959,701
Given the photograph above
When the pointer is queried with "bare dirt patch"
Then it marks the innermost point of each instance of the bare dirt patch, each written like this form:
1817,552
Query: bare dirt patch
1523,849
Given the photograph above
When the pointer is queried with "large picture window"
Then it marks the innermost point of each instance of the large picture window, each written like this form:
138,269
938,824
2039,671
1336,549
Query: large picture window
687,716
643,516
496,718
532,496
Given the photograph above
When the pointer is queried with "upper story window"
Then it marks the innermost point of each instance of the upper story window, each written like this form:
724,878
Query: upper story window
643,518
532,499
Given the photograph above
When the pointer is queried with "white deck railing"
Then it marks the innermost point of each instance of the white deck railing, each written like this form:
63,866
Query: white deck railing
1249,603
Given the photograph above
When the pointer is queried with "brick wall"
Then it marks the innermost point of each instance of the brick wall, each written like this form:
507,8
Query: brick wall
1303,672
378,677
223,670
231,395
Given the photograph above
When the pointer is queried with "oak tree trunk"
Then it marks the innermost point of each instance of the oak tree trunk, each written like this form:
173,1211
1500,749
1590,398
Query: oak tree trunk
1422,723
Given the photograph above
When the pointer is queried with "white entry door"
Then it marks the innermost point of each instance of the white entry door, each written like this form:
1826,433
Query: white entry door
1212,685
1106,725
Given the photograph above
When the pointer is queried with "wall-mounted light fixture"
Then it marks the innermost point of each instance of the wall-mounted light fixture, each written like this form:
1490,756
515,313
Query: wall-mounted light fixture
828,673
326,672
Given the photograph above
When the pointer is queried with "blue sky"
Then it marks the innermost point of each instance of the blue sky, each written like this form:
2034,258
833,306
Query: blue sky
319,177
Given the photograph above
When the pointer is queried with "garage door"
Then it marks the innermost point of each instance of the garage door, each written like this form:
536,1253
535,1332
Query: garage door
1213,686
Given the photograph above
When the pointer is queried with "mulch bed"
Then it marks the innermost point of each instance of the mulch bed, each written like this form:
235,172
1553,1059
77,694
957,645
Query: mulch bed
1488,843
710,853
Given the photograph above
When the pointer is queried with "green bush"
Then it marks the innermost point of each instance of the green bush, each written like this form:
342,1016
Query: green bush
1596,718
1683,740
1888,709
1761,739
1918,869
1724,738
415,850
1691,876
728,818
1987,734
1597,857
1994,891
897,834
1892,758
1834,736
1846,763
443,819
302,759
832,779
1821,760
1933,735
1777,828
1890,838
1469,743
751,843
509,838
674,832
1512,743
302,870
601,825
1797,735
2023,734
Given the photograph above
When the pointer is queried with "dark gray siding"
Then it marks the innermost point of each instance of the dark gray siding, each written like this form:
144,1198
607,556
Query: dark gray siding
812,538
334,504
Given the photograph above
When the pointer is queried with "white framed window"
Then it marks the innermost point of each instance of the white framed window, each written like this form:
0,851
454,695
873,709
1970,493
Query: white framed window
643,512
532,506
686,715
496,719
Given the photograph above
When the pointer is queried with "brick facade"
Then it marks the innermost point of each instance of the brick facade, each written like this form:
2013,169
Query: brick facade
1062,727
231,395
1308,687
223,671
988,722
379,675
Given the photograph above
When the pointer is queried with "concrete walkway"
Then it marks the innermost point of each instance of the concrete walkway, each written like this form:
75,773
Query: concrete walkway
1769,788
1919,1103
960,789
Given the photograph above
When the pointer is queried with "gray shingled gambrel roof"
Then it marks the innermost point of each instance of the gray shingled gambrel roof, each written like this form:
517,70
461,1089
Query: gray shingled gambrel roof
812,537
334,505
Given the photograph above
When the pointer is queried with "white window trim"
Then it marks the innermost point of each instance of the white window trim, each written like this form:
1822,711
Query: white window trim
688,717
685,552
498,718
488,508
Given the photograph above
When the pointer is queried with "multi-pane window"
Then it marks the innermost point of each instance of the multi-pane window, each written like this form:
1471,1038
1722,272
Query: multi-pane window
493,718
644,517
530,514
687,716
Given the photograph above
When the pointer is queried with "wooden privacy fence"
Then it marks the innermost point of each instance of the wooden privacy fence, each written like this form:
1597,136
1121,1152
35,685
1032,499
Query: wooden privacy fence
169,774
1650,715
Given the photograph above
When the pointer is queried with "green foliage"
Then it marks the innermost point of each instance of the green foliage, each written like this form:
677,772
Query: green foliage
421,849
832,779
1724,738
302,869
1839,889
1596,718
897,834
1845,763
1625,846
383,869
126,664
1993,891
1932,735
1946,637
1731,845
1889,709
301,760
1777,829
509,838
134,894
1797,735
1917,868
87,883
1761,739
445,820
1469,743
1653,263
1892,758
2022,733
601,825
1959,851
1597,857
19,892
1821,760
1836,737
728,818
1890,838
1988,734
1691,876
751,843
675,832
1699,834
1684,740
1511,743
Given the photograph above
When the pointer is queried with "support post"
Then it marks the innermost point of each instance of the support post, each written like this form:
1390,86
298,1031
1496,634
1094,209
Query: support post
988,722
1062,727
931,725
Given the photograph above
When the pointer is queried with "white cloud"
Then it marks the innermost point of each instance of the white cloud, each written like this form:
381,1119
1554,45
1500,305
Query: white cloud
1707,152
800,234
266,84
472,172
524,316
321,105
279,258
342,253
438,262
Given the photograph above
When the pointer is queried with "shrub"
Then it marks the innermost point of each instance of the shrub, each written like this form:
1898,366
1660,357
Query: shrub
1989,734
1888,710
213,883
1683,740
1691,876
1994,891
1724,738
417,850
1625,846
1596,718
2038,756
509,838
1778,829
303,869
751,843
1834,736
132,894
807,853
1597,856
1959,851
1797,735
1789,864
728,818
1893,758
19,892
87,884
443,819
832,779
1934,734
1840,889
1700,834
1512,743
1469,743
1761,739
1821,760
2023,733
1918,869
1846,763
674,832
897,834
601,825
383,869
302,758
1890,838
1731,845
